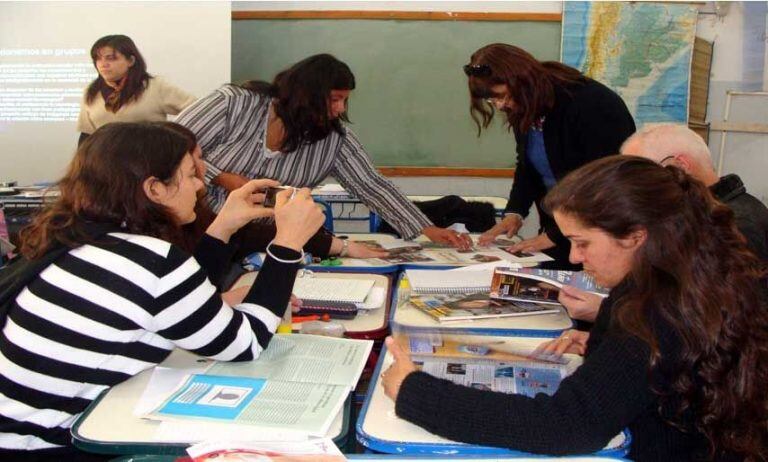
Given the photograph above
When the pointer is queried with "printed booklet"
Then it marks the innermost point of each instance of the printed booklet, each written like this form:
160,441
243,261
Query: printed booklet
462,307
298,385
490,365
539,285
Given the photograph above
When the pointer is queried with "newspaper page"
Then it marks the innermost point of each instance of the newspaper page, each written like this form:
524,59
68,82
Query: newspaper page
522,378
306,408
304,358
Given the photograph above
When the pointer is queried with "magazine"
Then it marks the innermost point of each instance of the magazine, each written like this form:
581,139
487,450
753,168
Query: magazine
314,450
462,307
491,365
297,385
539,285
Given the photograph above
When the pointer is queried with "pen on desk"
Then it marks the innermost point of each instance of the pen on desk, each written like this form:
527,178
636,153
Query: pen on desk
311,317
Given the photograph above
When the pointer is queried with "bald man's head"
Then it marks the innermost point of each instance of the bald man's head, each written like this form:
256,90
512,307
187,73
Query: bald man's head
673,143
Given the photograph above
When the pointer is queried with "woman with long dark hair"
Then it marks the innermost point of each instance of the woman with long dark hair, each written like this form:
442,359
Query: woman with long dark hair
293,130
256,235
561,120
103,291
124,91
679,350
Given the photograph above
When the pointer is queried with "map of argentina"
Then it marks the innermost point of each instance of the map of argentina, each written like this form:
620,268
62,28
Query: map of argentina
641,50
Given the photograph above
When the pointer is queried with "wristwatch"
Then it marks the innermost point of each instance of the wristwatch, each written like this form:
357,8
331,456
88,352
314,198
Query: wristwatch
344,248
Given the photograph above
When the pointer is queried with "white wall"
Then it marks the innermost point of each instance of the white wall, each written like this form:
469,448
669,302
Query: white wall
186,42
733,68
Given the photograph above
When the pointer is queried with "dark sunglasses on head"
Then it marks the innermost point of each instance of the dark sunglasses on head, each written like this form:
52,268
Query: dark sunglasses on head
477,70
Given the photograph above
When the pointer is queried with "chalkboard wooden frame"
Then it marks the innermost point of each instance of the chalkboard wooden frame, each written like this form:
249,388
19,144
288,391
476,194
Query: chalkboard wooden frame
409,171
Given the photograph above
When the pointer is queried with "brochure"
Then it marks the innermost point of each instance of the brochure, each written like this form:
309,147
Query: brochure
491,366
299,407
539,285
447,308
314,450
298,385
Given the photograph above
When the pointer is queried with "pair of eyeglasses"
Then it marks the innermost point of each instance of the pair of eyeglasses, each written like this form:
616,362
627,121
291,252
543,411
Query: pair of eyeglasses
477,70
661,162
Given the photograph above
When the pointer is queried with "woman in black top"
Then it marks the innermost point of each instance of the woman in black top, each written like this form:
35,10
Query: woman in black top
679,351
561,120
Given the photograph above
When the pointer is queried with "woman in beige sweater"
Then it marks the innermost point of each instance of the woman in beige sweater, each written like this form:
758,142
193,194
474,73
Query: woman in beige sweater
124,91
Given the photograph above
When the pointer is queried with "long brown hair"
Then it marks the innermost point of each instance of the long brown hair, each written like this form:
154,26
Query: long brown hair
694,275
531,84
137,78
104,184
301,93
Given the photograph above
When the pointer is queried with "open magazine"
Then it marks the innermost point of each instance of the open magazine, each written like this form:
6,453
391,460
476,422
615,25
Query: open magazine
314,450
432,254
462,307
539,285
297,385
491,365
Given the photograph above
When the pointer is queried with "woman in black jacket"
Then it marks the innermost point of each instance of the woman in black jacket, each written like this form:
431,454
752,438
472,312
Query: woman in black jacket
561,120
679,351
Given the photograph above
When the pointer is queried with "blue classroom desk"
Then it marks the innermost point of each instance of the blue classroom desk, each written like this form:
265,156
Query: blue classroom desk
380,430
398,458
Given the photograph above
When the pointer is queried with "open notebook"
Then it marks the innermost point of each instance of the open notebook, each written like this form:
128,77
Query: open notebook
333,290
448,282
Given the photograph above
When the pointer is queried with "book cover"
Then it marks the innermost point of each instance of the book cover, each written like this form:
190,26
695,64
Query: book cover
538,285
447,308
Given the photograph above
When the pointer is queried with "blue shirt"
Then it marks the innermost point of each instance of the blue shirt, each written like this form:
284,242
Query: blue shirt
537,154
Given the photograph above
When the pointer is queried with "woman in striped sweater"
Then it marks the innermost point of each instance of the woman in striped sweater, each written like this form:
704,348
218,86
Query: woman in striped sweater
292,130
119,295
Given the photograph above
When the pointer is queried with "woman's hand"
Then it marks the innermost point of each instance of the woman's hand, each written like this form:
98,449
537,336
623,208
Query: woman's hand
242,206
580,304
448,236
230,181
534,244
510,225
358,250
571,341
393,377
297,218
295,304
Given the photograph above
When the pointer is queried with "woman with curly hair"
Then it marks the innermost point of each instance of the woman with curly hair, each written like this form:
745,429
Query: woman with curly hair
679,350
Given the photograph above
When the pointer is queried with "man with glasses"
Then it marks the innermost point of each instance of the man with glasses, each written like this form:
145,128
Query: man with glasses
671,144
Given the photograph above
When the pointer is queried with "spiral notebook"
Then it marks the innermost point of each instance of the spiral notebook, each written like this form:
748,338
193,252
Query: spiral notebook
333,290
448,282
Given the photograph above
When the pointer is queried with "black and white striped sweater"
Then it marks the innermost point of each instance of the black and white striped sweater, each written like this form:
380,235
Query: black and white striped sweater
105,312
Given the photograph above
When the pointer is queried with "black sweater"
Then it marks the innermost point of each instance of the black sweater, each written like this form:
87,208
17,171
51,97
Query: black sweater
608,393
750,214
588,121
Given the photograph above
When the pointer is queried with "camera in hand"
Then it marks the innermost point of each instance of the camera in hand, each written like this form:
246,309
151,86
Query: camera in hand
270,195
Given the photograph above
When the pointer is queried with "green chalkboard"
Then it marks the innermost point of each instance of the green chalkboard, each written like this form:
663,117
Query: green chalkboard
411,105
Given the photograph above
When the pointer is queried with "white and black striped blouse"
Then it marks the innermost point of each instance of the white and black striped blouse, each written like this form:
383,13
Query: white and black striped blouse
105,312
231,124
